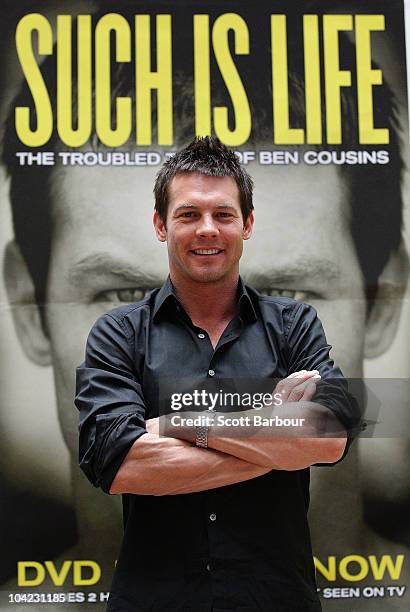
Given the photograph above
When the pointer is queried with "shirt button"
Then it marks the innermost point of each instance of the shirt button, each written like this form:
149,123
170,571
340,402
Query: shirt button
208,567
211,372
212,517
202,336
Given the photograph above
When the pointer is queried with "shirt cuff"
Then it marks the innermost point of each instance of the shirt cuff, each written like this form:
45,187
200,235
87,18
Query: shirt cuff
111,469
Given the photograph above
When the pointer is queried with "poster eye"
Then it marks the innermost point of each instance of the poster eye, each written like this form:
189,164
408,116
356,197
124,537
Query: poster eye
125,296
290,293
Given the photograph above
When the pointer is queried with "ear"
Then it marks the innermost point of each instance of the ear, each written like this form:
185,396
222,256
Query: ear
25,312
248,226
384,316
160,229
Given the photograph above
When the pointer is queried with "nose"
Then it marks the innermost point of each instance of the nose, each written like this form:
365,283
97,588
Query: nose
207,226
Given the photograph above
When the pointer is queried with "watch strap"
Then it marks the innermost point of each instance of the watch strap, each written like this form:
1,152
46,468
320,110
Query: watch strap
201,438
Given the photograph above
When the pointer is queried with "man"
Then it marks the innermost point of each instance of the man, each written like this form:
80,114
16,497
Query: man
210,555
75,258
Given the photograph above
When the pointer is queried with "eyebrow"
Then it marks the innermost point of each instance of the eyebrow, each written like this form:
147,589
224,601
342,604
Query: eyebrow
189,205
104,265
316,269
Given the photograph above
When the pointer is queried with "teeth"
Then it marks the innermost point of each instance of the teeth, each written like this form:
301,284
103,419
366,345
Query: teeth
206,251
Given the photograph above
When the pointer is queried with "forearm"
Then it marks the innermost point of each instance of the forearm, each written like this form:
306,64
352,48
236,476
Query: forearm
318,437
282,447
284,453
157,465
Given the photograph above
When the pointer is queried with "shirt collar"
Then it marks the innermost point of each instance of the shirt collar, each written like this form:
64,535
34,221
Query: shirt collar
246,306
166,297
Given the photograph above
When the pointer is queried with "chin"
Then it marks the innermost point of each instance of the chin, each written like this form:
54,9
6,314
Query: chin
207,276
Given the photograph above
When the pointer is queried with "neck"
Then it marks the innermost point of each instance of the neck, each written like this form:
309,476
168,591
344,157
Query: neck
207,301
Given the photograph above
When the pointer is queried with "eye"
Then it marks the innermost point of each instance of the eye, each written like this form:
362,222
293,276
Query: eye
290,293
224,215
125,296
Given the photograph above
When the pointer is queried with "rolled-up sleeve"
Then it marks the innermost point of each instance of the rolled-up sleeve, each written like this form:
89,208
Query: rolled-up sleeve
309,350
110,400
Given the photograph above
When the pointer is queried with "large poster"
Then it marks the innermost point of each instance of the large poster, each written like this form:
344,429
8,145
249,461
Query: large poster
94,96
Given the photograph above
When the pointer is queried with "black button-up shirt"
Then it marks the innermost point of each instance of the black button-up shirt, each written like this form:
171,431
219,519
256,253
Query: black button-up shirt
244,546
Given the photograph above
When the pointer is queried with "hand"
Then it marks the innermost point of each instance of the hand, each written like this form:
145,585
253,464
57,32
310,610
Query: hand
152,426
298,386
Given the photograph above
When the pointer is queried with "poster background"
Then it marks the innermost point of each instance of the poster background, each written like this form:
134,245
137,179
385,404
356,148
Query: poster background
37,517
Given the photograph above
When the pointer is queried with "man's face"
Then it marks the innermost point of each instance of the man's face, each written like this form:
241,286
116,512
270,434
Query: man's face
204,228
104,252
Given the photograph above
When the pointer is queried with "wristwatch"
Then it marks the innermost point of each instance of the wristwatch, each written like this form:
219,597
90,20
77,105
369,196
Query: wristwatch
201,438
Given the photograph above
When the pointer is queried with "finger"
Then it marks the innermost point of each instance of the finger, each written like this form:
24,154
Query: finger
302,374
309,391
298,393
296,374
152,425
285,386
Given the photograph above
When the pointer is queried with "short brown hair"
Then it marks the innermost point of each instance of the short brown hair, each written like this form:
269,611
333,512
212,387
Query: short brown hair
206,155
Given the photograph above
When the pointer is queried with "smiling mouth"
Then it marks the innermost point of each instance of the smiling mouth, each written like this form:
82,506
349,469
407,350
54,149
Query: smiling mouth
207,252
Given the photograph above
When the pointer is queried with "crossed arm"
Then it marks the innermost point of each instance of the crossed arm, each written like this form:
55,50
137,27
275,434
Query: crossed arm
157,465
161,465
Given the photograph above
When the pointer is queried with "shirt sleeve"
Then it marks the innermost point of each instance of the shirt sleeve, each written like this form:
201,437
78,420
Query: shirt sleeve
309,350
110,400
